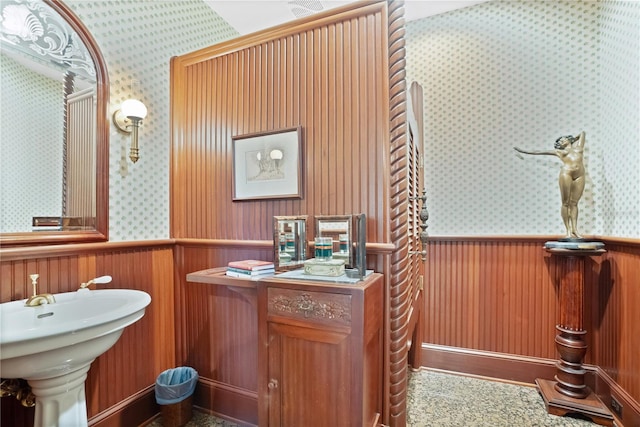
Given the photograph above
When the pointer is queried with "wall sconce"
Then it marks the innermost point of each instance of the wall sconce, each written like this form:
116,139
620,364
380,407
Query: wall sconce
128,119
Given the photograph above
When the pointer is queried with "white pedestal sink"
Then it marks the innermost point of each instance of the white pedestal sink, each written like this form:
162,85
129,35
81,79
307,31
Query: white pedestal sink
52,346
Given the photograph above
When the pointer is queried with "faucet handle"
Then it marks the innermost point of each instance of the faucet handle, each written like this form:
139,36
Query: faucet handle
34,282
102,280
97,280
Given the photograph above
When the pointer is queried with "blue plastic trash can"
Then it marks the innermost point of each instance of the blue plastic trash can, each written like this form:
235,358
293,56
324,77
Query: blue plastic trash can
174,393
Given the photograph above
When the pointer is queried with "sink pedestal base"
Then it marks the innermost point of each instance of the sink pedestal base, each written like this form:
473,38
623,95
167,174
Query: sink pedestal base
60,401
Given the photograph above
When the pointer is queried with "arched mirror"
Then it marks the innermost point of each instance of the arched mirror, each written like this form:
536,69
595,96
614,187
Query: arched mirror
55,134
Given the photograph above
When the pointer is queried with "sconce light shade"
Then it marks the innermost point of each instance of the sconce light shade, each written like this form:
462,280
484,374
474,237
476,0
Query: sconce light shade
133,108
128,119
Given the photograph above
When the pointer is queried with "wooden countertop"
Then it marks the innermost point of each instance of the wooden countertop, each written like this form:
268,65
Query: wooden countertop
217,276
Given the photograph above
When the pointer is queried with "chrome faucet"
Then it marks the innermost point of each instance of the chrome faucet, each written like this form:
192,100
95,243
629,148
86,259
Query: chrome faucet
38,299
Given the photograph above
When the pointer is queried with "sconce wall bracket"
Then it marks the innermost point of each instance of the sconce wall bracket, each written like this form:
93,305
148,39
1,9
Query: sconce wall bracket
122,122
128,119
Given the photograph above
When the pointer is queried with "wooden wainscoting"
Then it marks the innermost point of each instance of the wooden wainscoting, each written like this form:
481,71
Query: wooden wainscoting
491,309
612,291
117,388
338,76
483,316
329,77
218,328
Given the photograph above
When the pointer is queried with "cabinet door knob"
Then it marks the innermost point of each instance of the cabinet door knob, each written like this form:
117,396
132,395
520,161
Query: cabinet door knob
272,384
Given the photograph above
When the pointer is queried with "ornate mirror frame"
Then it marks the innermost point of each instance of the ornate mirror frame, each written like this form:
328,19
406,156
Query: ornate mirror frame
101,231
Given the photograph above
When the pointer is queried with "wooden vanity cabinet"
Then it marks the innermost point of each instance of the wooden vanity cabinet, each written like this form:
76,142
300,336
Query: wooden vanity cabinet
320,352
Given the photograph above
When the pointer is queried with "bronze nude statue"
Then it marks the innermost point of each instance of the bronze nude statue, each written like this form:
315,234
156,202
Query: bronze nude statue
570,150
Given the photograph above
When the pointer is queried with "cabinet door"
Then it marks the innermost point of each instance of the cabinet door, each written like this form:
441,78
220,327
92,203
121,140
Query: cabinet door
309,378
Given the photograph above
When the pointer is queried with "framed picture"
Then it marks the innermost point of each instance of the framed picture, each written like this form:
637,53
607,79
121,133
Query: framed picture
267,165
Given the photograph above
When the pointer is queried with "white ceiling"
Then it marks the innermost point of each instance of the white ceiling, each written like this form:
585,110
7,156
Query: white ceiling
248,16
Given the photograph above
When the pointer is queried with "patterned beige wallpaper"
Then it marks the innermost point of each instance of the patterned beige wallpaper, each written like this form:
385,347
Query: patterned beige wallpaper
522,73
618,185
29,130
497,74
137,39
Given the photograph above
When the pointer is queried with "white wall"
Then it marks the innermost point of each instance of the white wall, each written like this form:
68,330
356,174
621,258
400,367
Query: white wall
497,74
30,171
522,73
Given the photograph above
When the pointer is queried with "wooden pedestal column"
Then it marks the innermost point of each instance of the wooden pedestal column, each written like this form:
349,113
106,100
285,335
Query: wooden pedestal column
569,393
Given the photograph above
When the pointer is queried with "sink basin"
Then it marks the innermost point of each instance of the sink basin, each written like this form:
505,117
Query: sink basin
52,345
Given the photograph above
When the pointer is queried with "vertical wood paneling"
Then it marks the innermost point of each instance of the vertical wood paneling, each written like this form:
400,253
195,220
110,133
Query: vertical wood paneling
502,296
145,348
218,335
329,76
326,79
483,295
613,323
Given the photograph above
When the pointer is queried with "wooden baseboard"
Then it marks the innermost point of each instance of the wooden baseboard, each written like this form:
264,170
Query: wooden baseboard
506,367
137,410
231,403
525,370
228,402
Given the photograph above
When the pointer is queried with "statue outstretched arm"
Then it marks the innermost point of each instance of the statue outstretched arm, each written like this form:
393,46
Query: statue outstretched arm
536,153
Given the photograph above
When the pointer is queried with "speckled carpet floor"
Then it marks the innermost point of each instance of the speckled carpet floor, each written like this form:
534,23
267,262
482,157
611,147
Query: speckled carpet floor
441,400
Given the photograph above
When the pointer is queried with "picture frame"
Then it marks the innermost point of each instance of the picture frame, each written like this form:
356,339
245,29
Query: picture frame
267,165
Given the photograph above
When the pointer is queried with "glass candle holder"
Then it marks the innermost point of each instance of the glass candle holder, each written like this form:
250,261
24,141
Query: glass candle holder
290,242
344,243
324,248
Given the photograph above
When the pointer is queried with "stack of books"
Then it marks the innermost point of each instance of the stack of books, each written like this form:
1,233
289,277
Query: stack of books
250,269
